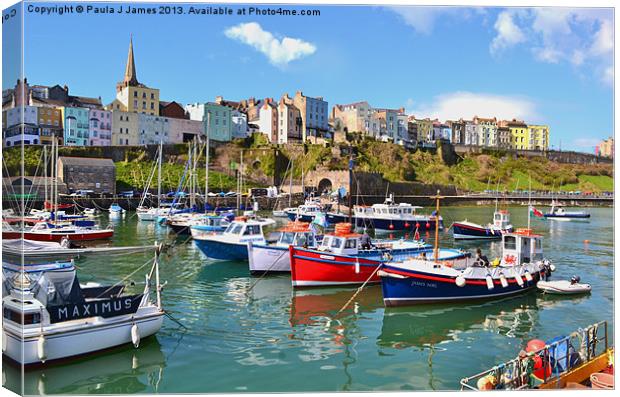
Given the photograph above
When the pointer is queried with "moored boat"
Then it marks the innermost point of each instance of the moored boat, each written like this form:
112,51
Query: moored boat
432,280
48,315
232,243
559,213
274,257
466,230
344,258
389,216
44,231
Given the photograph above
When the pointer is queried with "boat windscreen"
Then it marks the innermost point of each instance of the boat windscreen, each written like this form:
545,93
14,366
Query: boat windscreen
54,287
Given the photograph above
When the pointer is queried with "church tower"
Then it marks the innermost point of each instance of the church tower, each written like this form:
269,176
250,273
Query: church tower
131,95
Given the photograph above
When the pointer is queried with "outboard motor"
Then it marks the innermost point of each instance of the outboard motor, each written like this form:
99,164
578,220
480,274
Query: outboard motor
575,279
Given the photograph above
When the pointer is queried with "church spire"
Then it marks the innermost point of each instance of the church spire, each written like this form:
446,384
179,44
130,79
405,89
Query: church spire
130,70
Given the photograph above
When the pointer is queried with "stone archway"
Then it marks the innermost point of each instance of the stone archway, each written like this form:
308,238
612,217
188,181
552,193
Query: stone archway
325,184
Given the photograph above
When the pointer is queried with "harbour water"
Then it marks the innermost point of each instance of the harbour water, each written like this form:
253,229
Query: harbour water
251,334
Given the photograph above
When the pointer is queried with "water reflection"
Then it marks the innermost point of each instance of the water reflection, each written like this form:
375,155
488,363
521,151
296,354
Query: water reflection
122,370
424,325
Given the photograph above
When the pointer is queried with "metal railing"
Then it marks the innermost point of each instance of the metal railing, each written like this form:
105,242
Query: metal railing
518,373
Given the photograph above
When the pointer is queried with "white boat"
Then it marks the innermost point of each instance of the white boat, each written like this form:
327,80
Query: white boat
305,212
274,257
48,315
564,287
466,230
116,211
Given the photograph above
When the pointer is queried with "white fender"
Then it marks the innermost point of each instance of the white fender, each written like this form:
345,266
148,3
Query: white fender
519,280
135,335
4,341
41,348
357,267
489,279
502,279
528,276
460,281
552,267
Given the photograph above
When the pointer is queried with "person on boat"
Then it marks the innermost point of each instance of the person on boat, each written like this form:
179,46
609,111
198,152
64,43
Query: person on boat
423,256
365,241
481,260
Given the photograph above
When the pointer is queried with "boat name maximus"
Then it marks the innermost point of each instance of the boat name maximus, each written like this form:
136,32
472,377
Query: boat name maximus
104,308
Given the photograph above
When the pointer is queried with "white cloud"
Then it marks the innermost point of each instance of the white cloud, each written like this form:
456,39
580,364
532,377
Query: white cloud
279,52
508,33
466,105
582,37
423,18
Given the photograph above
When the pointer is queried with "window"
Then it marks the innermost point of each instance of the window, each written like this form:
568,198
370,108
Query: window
510,242
144,95
351,243
135,94
152,96
152,105
336,243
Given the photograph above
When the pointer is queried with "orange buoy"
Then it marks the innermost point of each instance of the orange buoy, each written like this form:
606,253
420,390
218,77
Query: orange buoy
534,345
391,227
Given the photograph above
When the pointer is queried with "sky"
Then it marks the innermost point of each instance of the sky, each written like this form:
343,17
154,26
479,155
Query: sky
543,65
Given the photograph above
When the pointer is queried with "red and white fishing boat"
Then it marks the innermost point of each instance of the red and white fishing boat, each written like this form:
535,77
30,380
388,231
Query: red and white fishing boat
341,259
48,232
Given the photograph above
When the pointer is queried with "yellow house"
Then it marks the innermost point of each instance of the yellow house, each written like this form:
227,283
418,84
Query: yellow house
519,137
133,96
538,137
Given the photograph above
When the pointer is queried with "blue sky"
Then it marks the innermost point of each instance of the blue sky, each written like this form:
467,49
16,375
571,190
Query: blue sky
552,66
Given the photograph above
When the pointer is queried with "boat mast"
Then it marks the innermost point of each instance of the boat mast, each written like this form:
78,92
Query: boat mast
207,161
290,185
436,249
45,173
350,188
159,161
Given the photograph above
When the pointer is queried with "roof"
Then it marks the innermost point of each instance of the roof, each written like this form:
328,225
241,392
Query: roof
86,161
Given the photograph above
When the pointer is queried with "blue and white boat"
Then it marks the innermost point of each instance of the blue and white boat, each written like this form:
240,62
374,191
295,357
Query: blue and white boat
305,212
466,230
274,257
232,243
436,280
559,213
116,211
388,216
207,224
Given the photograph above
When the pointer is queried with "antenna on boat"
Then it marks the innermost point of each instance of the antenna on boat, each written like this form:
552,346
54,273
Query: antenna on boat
436,248
207,161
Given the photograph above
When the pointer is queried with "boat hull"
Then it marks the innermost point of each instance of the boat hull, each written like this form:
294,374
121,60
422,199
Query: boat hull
90,338
180,229
223,250
95,235
417,287
264,258
568,216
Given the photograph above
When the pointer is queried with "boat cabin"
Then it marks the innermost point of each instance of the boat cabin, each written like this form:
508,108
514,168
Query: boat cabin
522,246
501,219
298,234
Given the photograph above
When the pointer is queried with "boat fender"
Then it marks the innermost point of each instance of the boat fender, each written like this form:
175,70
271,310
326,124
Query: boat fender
357,267
135,335
552,267
528,276
489,280
502,279
4,341
519,280
486,382
460,281
41,348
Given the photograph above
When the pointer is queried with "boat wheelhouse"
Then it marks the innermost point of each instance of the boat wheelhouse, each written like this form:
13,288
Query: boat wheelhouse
232,243
274,257
48,315
438,280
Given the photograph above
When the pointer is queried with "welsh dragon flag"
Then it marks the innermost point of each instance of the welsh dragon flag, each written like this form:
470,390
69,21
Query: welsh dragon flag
536,213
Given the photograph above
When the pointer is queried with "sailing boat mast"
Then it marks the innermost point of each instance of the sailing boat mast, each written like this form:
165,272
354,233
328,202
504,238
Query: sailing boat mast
290,185
45,173
436,248
159,160
207,162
